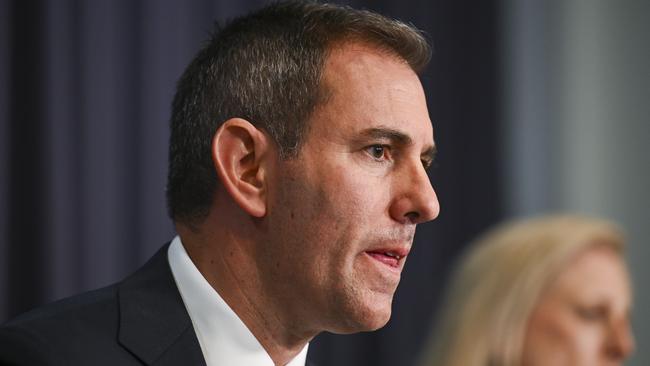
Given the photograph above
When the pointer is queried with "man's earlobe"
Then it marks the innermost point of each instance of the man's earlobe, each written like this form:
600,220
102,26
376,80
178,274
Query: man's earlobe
239,151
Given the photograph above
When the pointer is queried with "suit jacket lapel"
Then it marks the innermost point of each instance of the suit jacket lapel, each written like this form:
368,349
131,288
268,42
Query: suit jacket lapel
154,324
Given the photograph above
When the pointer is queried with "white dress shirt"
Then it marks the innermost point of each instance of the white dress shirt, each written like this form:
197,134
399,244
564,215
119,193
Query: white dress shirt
224,338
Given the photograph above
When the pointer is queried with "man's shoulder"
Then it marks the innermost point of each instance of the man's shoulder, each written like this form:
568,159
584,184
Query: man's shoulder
88,309
96,306
87,325
71,307
67,329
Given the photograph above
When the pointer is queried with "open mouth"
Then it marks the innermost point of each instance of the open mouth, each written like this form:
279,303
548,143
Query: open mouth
388,258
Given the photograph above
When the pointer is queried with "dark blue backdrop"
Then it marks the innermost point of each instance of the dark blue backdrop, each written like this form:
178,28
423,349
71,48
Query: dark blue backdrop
85,88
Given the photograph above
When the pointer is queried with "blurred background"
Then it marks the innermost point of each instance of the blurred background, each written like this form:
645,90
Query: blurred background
538,106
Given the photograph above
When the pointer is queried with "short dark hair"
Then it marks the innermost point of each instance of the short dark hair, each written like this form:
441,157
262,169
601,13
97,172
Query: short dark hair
265,67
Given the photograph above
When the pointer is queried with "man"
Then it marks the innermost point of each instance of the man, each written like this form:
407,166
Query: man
300,138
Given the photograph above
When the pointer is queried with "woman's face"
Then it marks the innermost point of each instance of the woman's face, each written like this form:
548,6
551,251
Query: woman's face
582,319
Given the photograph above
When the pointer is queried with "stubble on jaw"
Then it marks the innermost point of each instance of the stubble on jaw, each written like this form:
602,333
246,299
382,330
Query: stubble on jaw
348,299
326,209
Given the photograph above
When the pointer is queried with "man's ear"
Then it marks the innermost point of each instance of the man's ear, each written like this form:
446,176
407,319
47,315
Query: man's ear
239,154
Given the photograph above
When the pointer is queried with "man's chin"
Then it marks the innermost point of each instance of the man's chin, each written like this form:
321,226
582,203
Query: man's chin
366,320
377,324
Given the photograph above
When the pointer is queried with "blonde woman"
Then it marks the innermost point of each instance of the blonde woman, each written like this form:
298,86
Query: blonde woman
544,291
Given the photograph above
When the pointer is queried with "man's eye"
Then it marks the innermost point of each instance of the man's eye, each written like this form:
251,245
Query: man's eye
377,151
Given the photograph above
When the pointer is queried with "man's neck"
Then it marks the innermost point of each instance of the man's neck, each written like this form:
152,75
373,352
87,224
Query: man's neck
229,268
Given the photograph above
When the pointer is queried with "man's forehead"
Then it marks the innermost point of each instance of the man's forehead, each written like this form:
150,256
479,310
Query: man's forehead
352,58
367,89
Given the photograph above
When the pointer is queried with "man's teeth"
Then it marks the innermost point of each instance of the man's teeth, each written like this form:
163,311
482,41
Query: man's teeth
393,255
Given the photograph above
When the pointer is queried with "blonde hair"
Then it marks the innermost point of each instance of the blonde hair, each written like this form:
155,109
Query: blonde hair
498,283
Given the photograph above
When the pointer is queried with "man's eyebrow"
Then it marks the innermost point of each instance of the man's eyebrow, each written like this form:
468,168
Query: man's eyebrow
395,136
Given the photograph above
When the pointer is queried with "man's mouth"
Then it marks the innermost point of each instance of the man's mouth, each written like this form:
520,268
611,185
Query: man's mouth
390,258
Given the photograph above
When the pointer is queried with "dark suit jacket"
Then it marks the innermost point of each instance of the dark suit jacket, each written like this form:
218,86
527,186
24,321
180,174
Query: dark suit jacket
139,321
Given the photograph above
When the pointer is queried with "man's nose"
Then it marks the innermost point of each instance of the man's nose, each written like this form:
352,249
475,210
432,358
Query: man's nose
620,341
414,200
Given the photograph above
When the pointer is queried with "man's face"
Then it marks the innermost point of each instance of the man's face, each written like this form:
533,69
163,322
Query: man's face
342,215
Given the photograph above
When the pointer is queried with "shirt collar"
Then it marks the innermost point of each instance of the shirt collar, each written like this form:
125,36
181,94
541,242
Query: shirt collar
224,338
